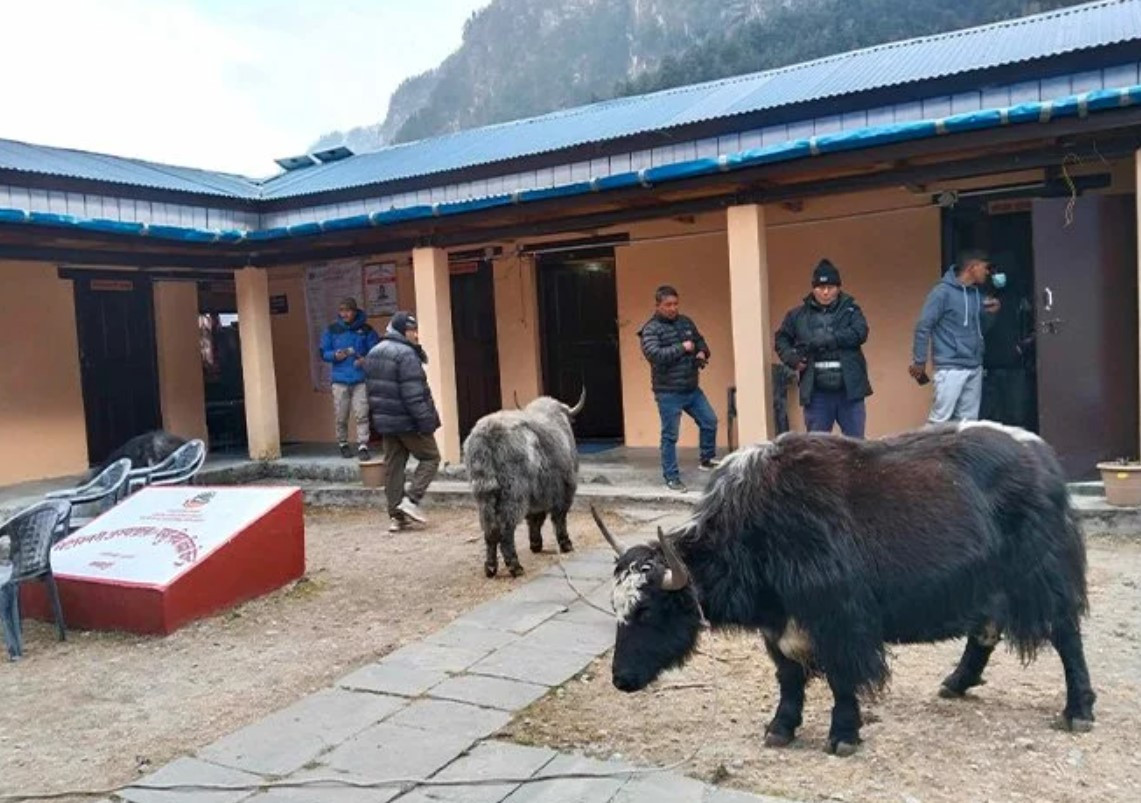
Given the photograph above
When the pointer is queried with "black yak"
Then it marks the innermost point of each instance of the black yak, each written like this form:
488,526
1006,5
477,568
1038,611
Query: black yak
523,463
833,548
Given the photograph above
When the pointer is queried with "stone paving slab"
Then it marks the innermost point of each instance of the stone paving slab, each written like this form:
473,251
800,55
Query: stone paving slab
659,787
512,616
518,662
507,695
434,657
488,760
387,751
329,793
572,790
553,589
471,636
405,681
448,716
590,638
285,741
192,771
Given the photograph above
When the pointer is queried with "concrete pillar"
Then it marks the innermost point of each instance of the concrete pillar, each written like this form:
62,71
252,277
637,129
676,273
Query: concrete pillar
517,330
182,389
1137,206
749,310
258,375
434,313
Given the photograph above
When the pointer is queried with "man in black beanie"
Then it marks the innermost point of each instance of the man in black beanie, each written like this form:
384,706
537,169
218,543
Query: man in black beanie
404,413
821,340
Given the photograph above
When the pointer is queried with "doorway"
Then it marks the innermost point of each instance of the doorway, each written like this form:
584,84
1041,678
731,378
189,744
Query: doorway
476,344
578,316
114,317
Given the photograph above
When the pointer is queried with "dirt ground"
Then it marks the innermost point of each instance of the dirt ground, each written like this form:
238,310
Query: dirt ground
998,744
101,709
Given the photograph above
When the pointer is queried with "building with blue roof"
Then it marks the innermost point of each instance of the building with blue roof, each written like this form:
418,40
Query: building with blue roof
530,250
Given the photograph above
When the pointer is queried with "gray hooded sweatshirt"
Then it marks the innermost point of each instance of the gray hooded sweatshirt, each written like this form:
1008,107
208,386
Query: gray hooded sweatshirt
953,322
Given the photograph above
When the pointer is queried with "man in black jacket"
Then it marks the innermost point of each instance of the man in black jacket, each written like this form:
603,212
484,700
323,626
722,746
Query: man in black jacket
821,340
403,412
676,352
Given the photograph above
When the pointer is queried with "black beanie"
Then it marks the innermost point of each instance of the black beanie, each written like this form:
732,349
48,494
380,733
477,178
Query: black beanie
402,322
825,273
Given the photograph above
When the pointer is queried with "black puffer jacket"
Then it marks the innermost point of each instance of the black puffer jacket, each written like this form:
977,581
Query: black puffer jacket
399,400
672,369
835,333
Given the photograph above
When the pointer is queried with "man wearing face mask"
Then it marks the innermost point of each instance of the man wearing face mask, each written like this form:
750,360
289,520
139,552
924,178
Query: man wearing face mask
952,325
821,340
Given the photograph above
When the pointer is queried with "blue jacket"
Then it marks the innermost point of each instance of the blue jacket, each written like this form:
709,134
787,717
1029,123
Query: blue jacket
357,335
953,323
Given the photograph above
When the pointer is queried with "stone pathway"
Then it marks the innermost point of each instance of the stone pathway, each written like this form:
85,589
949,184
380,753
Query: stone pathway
429,709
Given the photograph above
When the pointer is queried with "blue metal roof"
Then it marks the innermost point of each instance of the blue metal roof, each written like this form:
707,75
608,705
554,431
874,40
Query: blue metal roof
911,62
1055,33
64,162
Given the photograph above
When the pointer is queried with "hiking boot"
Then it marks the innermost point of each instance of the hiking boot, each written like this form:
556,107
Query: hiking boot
676,485
346,451
708,464
411,510
363,454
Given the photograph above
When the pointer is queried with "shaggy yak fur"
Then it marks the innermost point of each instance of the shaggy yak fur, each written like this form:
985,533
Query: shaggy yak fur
144,450
523,463
833,548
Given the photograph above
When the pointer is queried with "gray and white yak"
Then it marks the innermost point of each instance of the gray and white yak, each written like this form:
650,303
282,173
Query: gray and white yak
523,464
833,548
147,449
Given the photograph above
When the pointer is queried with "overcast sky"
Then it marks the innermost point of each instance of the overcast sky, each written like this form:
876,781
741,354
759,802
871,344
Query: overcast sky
220,84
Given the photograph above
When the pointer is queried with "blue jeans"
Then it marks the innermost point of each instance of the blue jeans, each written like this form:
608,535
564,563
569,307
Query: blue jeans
697,407
828,407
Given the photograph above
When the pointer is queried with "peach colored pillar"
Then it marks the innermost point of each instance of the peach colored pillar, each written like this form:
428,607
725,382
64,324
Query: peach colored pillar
434,314
258,375
1137,199
182,390
517,330
749,309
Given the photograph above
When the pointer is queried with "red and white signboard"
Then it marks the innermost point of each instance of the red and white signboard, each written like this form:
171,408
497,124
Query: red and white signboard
167,556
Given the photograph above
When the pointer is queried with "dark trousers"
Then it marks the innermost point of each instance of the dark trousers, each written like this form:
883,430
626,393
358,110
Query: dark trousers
1004,396
828,407
397,448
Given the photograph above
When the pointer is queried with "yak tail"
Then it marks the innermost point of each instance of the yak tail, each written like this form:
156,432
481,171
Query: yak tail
480,458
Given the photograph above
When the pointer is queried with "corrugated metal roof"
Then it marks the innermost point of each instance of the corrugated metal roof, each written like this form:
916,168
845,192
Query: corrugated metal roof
68,163
908,62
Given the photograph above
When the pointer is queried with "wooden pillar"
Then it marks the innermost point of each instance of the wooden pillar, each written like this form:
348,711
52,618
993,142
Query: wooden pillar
258,375
517,330
1137,208
434,314
182,389
752,335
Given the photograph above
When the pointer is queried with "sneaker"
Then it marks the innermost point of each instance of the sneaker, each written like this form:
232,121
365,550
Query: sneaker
363,454
676,485
411,510
397,524
708,464
346,451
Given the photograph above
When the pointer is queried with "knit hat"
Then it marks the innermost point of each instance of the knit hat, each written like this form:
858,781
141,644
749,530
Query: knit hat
403,321
825,273
348,303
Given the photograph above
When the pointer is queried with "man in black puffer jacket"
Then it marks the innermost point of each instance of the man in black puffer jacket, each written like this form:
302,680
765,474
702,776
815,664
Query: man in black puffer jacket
821,340
402,410
676,352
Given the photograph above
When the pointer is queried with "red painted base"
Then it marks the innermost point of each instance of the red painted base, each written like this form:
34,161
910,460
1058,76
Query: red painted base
262,557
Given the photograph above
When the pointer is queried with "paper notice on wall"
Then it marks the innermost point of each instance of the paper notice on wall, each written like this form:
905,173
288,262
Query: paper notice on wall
380,289
325,286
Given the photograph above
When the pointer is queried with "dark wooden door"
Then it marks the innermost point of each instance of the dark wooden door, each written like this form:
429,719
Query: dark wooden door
1086,314
118,367
578,304
476,345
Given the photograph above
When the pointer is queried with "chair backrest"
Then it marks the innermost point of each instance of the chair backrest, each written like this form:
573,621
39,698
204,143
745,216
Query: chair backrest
182,464
112,479
32,533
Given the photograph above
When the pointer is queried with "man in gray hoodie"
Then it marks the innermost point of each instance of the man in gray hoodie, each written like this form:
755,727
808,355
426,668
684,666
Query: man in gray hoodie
952,323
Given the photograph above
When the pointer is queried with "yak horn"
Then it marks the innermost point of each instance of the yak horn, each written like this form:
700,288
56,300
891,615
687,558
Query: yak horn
581,403
515,395
677,576
615,544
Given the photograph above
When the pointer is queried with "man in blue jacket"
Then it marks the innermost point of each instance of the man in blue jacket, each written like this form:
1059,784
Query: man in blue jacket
952,324
345,344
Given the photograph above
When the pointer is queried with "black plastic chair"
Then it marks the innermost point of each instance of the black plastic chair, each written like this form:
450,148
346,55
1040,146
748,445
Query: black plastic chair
93,498
32,532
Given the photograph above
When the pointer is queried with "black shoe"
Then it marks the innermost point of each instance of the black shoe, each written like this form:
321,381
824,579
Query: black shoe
708,464
363,454
676,485
346,451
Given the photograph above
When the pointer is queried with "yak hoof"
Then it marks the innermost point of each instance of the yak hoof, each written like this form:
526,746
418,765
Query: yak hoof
566,546
515,569
947,693
490,569
777,739
1075,724
536,547
842,749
